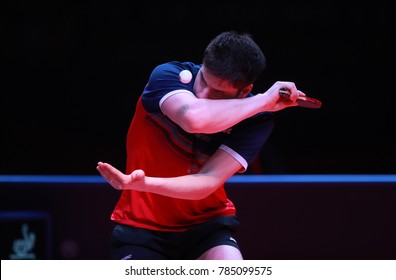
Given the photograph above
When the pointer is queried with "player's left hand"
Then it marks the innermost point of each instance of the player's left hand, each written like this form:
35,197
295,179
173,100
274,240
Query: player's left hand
119,180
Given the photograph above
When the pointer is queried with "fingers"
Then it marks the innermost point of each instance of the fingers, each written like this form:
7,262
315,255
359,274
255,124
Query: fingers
292,92
300,93
119,180
110,174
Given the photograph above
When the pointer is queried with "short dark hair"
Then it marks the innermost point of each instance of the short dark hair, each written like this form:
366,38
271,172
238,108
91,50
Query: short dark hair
234,57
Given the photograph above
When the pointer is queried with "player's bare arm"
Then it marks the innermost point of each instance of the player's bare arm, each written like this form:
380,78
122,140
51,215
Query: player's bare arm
203,115
219,168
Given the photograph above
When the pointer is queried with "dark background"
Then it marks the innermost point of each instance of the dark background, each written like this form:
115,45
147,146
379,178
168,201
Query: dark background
72,72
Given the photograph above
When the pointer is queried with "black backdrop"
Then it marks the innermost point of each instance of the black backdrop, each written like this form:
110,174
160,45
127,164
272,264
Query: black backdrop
73,71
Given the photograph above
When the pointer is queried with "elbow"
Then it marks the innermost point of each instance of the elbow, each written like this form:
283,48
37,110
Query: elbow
194,118
192,123
210,188
202,195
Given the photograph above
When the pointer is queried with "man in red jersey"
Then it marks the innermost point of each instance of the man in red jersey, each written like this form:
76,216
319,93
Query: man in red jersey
189,135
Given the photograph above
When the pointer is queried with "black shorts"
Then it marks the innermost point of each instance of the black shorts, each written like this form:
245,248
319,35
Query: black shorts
143,244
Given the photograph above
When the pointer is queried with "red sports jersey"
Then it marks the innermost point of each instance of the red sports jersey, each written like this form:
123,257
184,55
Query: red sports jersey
157,212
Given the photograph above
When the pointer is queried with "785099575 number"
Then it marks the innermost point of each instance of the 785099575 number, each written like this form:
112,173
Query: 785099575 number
245,270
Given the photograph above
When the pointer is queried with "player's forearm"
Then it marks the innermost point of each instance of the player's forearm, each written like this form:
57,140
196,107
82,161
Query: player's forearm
194,186
211,116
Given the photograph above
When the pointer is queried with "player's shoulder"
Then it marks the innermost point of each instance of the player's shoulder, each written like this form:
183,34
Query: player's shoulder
176,66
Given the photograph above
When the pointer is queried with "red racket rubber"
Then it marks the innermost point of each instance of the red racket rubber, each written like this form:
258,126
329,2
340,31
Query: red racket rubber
302,101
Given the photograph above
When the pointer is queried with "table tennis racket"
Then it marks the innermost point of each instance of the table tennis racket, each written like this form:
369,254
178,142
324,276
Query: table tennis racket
302,101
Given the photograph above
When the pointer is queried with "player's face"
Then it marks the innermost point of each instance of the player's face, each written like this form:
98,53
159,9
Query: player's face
212,87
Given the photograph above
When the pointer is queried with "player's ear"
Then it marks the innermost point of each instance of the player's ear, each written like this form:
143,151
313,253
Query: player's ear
246,90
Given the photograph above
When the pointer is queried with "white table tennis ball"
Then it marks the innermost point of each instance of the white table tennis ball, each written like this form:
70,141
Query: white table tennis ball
185,76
